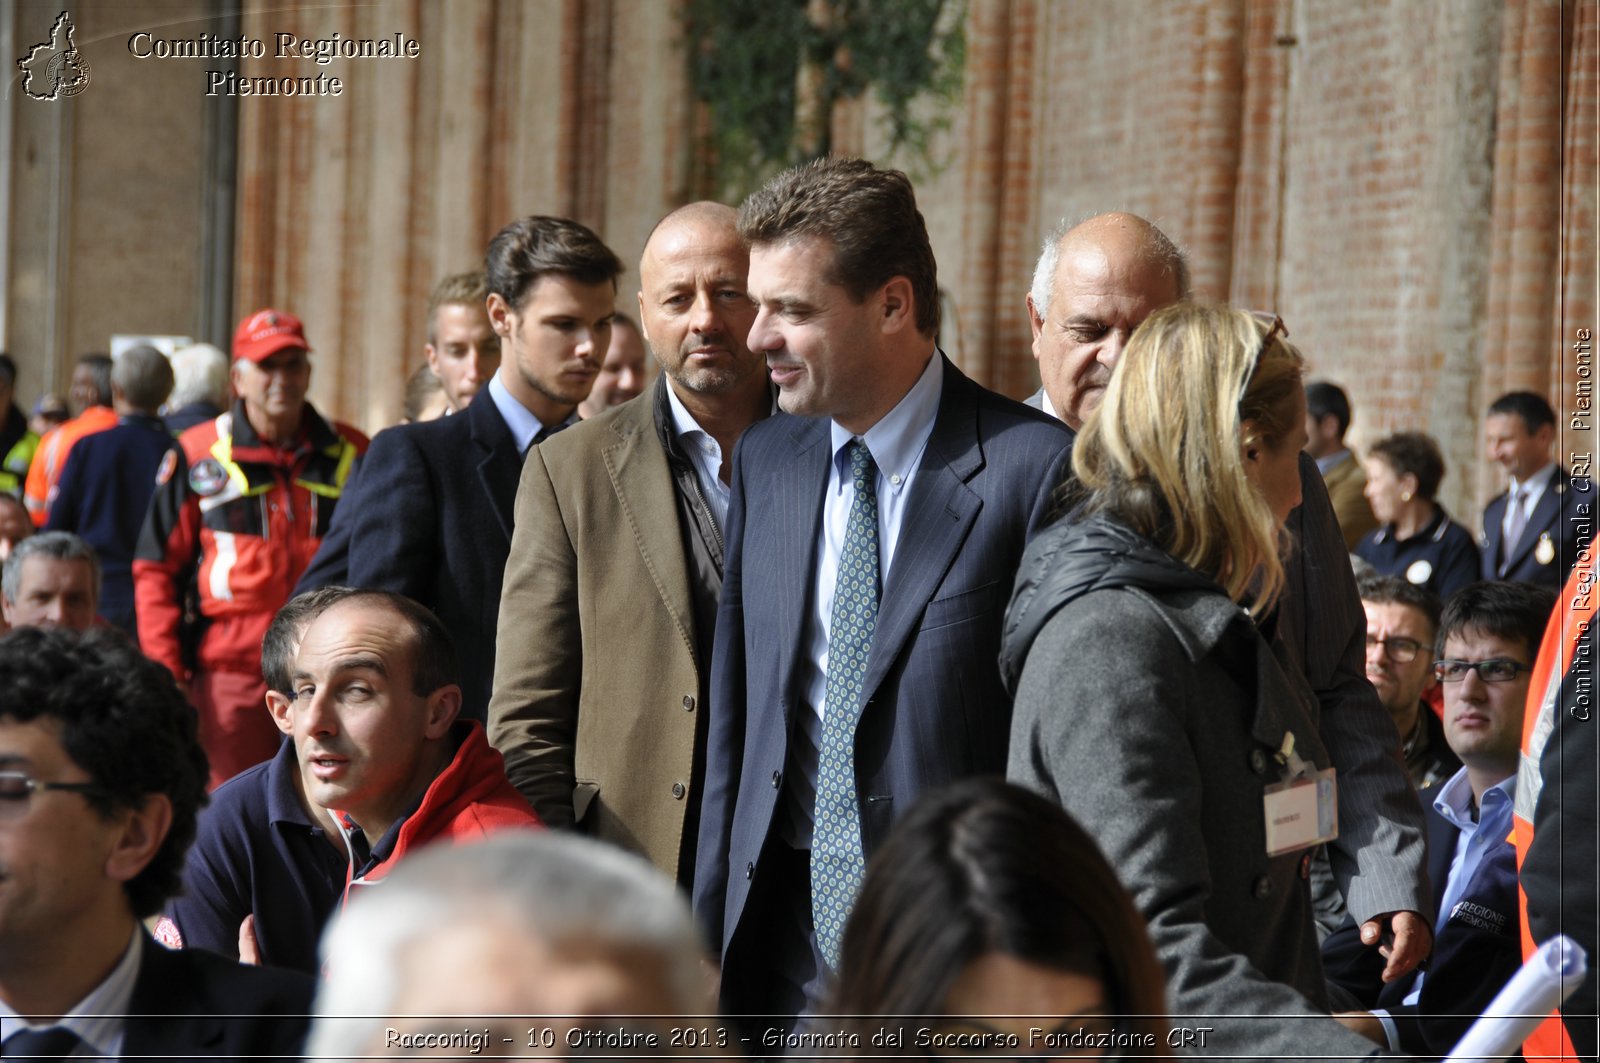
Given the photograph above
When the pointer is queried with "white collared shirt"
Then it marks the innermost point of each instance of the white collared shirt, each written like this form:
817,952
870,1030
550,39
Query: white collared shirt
98,1018
1535,486
897,443
705,457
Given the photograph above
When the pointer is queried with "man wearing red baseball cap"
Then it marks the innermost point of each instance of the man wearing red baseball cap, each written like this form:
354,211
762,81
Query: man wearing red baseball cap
238,512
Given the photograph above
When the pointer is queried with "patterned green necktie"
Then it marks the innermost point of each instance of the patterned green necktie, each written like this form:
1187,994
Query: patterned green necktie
837,863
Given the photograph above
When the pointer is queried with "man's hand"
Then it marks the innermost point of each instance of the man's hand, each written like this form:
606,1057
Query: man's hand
1410,945
1366,1024
249,951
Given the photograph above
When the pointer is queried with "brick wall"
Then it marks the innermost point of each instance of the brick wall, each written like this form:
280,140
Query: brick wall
1412,183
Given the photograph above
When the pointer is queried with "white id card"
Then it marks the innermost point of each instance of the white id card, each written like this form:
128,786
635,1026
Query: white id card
1302,812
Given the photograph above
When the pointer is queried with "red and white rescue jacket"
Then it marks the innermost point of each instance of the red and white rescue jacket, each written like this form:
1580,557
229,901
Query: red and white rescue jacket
237,519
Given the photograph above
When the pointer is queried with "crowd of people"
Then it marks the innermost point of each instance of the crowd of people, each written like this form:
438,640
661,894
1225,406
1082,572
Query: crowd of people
811,699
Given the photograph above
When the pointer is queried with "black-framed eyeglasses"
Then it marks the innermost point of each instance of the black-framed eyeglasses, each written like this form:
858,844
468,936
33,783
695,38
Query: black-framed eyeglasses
1399,649
1494,670
17,787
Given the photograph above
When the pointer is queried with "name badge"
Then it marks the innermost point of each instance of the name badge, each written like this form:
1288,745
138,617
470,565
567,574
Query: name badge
1302,812
1303,809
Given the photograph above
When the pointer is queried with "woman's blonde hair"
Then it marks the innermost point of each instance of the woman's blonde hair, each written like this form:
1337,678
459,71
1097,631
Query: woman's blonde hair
1163,453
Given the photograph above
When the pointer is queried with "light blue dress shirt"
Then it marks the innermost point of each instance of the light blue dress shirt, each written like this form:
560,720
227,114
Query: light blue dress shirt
1476,838
897,443
523,424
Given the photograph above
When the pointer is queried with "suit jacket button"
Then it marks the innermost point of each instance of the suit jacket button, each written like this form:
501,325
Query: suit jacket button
777,778
678,791
1262,888
688,703
749,871
1258,762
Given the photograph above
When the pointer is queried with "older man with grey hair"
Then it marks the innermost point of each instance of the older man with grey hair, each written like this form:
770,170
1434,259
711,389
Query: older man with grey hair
461,941
201,390
1096,282
51,580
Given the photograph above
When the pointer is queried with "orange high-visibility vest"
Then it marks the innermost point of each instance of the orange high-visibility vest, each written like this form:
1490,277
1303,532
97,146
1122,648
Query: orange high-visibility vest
1574,609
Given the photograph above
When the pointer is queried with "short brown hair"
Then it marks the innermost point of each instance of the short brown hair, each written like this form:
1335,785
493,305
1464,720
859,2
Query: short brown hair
1415,453
869,215
528,248
458,289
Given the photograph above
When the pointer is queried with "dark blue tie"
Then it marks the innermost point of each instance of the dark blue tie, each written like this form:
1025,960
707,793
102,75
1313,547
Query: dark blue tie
56,1042
837,862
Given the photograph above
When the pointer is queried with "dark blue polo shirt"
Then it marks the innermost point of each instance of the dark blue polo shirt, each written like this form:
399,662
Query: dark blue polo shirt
1442,557
257,851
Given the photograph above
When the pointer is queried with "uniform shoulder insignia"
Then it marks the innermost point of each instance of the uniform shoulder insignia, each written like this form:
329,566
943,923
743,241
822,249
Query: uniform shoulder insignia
169,465
207,477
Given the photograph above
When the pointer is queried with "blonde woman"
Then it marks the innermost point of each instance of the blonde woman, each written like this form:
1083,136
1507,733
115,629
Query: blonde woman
1152,701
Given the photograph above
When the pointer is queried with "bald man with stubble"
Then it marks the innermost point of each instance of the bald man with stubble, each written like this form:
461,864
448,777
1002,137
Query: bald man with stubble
617,560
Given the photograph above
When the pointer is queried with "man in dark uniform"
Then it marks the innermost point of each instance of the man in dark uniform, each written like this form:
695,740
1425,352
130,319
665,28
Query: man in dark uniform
105,489
1533,531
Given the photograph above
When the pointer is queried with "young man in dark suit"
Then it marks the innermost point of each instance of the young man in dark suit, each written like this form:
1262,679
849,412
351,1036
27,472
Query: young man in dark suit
436,499
101,775
1533,531
874,530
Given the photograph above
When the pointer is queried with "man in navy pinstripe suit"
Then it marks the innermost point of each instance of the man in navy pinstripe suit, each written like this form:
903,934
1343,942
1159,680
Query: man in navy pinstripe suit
843,278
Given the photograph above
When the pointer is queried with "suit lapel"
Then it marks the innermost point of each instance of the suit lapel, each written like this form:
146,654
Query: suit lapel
938,516
499,464
1540,520
796,489
642,481
160,1011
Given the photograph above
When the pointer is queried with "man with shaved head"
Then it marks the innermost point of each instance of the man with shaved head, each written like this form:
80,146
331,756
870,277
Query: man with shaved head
617,563
1094,284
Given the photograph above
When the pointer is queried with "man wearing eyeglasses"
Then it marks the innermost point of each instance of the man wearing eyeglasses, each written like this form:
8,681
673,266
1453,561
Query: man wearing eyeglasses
1488,635
101,775
1402,619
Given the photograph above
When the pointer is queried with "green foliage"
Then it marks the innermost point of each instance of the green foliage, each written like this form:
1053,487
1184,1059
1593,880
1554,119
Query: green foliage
745,60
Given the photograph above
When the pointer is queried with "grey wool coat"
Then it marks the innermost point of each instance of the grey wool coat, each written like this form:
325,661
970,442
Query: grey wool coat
1151,709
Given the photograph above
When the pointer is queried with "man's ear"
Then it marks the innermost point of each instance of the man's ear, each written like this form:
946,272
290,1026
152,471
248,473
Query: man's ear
1035,323
143,830
443,706
280,707
499,315
899,305
644,329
